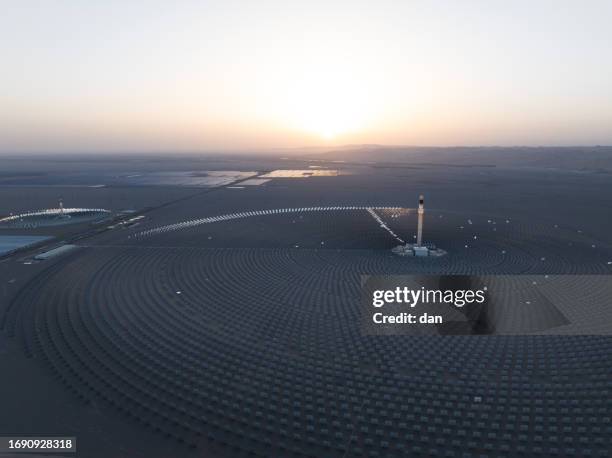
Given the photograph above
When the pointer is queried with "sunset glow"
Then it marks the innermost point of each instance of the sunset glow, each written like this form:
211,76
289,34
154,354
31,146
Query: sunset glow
241,75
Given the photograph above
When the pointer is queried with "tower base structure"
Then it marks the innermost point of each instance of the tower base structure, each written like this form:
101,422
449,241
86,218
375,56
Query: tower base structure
413,249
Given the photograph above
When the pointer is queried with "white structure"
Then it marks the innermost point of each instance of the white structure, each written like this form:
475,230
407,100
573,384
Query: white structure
420,212
62,249
418,249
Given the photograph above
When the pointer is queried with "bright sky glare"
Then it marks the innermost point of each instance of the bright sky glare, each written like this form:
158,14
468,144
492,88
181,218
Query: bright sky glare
224,75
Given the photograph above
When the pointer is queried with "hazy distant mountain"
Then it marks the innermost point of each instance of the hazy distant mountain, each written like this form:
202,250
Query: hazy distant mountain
579,158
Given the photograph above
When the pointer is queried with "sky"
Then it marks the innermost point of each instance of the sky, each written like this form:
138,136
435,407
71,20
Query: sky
227,75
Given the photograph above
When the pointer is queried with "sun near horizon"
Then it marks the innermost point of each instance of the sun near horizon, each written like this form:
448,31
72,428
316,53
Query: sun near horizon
114,76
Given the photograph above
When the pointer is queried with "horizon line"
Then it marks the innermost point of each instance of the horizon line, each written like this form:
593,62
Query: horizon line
287,149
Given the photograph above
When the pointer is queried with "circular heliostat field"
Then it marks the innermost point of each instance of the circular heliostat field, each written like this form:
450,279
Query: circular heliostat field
53,217
239,335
